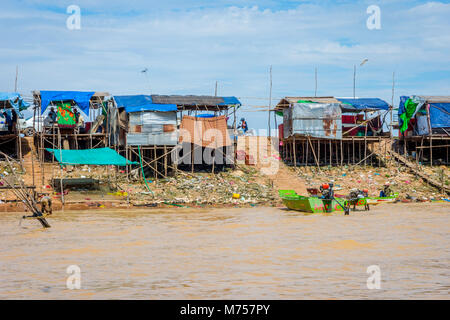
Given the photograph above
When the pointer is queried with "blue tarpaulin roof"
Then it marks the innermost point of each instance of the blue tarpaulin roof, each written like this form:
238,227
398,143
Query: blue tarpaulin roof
99,157
81,98
15,100
440,115
366,103
230,101
138,103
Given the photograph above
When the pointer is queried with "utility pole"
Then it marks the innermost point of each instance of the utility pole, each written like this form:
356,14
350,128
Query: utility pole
215,91
270,98
392,105
315,90
17,75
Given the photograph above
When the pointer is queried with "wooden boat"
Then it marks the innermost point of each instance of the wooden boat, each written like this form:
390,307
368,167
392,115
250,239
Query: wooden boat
378,200
315,204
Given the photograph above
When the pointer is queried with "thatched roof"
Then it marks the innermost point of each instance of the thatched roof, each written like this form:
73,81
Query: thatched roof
188,100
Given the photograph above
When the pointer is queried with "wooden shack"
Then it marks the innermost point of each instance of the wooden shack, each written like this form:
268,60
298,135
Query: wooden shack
330,131
10,140
425,129
65,133
148,128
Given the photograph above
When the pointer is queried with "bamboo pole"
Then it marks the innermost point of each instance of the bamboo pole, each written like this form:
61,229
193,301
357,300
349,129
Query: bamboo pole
318,150
331,152
295,153
62,171
353,149
314,153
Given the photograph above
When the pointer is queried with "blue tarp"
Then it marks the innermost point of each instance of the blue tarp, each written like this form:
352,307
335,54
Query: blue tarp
81,98
228,101
401,106
367,103
98,157
15,100
140,103
440,115
205,115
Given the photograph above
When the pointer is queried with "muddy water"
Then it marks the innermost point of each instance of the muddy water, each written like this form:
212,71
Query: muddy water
265,253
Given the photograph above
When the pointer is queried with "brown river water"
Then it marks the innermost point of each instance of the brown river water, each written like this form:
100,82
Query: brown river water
255,253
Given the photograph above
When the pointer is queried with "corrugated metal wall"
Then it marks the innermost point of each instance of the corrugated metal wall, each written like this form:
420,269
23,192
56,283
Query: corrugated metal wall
313,119
152,128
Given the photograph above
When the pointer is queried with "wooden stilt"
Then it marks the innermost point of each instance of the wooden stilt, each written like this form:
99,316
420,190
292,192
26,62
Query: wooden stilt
192,157
331,152
165,160
307,154
156,162
365,145
314,153
431,150
295,153
318,150
353,150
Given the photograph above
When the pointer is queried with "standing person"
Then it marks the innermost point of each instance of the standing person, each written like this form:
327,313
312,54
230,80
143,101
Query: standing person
14,120
76,113
243,125
8,121
52,115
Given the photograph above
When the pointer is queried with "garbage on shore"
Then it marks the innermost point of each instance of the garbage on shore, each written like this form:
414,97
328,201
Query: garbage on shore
410,187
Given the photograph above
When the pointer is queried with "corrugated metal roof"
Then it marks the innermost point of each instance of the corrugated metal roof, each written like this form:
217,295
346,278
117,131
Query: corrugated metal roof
436,99
191,100
139,103
287,101
188,100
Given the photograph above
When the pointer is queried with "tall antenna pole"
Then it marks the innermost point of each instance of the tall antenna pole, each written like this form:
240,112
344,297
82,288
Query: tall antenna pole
392,105
270,98
215,91
17,74
315,90
354,81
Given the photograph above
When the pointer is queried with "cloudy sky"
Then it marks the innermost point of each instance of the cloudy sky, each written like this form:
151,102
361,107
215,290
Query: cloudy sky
187,45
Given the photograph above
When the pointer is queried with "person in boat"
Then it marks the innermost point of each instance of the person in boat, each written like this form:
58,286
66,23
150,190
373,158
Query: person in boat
356,195
327,191
243,125
387,191
46,205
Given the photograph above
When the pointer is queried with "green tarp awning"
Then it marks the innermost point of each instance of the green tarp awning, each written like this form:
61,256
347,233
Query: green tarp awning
99,157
